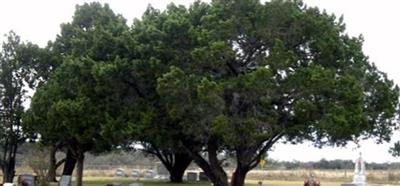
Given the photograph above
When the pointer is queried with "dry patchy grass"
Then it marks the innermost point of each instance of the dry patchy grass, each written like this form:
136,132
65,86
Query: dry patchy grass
269,177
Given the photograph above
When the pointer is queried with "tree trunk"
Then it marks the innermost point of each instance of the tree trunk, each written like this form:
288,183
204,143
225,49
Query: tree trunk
51,174
9,161
182,161
9,171
212,168
69,164
218,178
239,176
79,172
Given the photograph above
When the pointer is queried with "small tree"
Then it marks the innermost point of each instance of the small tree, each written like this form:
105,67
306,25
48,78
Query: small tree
37,159
13,74
95,35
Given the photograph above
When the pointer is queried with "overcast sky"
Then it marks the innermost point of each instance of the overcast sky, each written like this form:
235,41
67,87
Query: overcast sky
39,21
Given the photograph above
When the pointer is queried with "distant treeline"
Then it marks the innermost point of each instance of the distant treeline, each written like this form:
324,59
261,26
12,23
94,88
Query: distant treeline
327,164
121,158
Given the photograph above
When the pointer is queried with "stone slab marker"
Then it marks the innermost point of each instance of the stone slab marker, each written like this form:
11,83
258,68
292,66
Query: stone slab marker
65,181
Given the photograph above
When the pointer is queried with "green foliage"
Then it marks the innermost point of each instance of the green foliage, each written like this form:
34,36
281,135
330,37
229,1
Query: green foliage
94,32
71,106
13,76
66,105
232,76
395,150
246,74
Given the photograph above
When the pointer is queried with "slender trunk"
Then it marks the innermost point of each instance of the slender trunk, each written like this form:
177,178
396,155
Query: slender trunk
69,164
212,168
239,176
221,179
9,162
9,171
249,156
51,174
182,161
9,168
4,158
79,172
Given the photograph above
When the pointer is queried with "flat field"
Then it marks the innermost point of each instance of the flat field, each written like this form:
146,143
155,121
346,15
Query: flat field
103,182
268,177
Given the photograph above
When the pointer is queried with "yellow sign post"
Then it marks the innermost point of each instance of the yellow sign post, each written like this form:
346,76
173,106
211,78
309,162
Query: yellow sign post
262,163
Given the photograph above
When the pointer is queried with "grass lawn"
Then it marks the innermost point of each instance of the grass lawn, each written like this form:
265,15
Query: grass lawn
127,182
102,181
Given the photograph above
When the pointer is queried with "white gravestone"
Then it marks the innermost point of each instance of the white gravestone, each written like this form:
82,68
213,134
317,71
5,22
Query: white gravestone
65,181
359,177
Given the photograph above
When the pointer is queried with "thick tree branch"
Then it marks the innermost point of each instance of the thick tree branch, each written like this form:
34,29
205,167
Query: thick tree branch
1,163
59,163
268,145
232,68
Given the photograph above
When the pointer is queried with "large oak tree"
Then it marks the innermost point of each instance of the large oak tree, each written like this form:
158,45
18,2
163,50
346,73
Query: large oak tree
246,74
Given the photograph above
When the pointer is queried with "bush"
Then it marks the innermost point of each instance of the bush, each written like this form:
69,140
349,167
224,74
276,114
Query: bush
37,159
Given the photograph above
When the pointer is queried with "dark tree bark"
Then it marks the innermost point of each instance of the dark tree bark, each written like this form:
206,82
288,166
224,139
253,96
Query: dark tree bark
54,165
239,176
51,175
9,171
175,162
213,167
181,163
69,164
8,161
79,172
247,158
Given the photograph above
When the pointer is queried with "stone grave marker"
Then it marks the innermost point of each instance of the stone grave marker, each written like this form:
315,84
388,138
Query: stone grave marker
135,173
149,174
65,181
27,180
119,172
191,176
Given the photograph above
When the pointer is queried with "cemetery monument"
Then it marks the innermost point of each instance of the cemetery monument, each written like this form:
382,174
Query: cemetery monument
359,178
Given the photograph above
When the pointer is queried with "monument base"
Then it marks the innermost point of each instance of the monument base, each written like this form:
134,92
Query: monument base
359,180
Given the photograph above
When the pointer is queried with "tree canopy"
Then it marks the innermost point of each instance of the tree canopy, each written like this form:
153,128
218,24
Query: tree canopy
244,74
70,108
14,74
227,78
